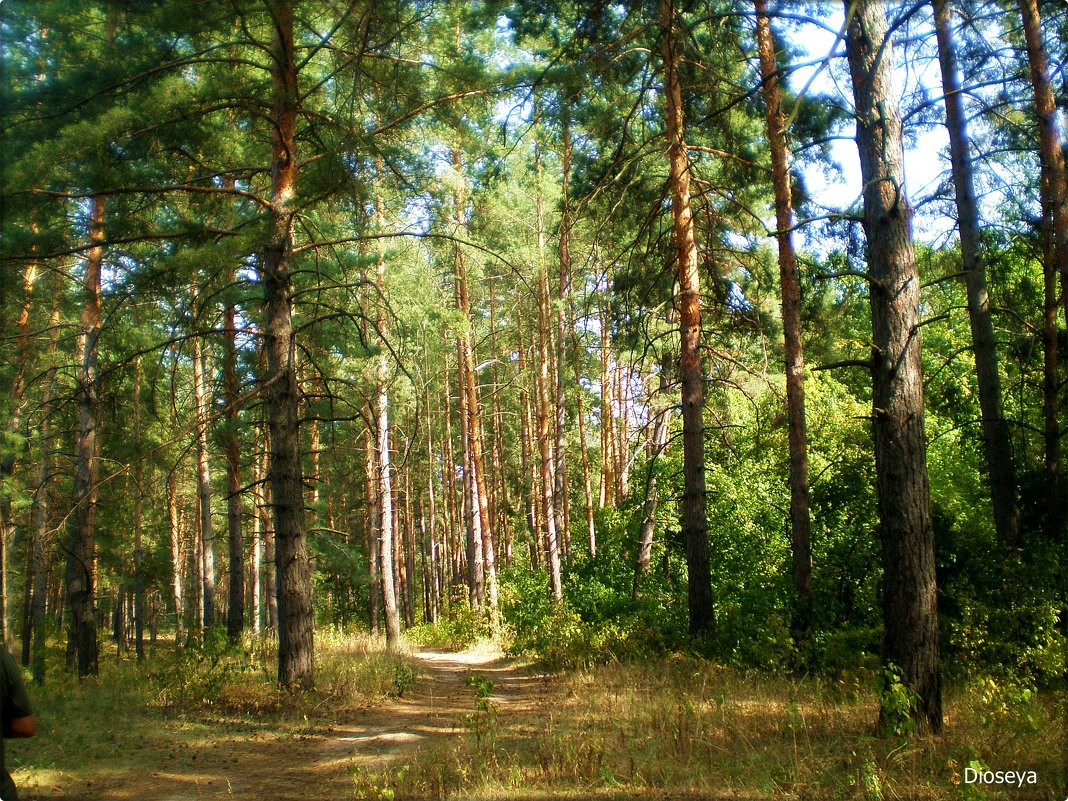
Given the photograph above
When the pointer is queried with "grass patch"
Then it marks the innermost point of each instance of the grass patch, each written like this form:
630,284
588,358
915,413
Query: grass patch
685,727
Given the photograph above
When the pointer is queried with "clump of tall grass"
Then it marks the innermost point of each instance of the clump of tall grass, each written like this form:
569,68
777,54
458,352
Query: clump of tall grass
352,671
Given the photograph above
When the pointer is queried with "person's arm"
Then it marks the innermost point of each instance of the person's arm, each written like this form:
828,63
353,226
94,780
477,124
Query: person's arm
18,717
25,726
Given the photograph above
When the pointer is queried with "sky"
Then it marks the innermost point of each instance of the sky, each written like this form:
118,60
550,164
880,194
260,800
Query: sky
926,157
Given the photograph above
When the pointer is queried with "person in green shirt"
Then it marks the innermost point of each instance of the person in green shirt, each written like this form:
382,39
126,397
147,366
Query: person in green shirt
18,717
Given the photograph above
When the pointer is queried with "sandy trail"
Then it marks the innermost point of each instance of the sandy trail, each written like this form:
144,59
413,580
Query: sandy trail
264,767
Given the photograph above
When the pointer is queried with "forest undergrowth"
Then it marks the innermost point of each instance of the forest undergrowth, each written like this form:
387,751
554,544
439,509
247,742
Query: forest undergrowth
669,726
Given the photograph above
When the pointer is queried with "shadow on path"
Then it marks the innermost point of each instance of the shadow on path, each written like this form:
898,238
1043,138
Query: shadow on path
319,766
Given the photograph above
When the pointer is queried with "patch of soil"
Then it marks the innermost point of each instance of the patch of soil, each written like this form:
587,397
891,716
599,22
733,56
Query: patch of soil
270,767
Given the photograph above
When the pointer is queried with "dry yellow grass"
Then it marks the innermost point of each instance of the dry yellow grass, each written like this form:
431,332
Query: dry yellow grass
680,727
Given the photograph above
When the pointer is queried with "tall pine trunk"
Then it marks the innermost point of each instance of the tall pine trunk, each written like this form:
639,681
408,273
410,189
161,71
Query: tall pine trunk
15,427
42,504
138,483
293,574
545,442
235,614
791,323
910,603
996,444
564,278
1054,194
81,524
385,468
694,515
206,541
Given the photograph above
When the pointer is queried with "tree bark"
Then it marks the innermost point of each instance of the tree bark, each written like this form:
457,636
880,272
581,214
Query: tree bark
801,550
295,616
81,526
454,497
408,549
206,543
472,519
564,277
526,449
694,515
42,503
657,443
606,496
385,478
372,524
910,608
388,529
996,444
138,484
548,482
259,510
177,565
1054,192
580,413
502,527
235,614
14,427
471,408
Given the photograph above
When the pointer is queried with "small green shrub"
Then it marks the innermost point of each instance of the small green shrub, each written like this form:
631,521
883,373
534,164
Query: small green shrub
897,702
458,627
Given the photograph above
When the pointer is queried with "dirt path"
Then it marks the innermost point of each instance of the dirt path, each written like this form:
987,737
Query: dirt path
261,766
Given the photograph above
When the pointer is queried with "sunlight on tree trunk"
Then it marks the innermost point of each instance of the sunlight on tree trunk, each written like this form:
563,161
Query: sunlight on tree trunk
910,595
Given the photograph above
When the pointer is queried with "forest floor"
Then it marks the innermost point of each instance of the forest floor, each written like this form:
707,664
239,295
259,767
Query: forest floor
477,725
345,759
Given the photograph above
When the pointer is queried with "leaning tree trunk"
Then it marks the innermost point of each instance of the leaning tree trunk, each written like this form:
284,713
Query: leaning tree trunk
995,429
296,641
81,524
694,515
910,603
791,323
